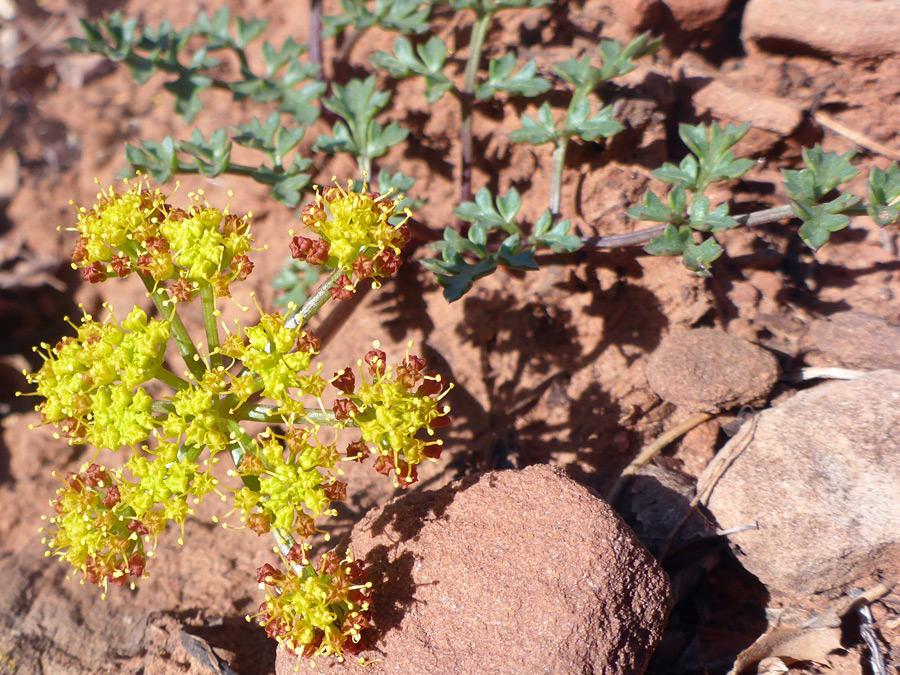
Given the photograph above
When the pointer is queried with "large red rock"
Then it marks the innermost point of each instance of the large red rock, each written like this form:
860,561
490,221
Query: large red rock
507,573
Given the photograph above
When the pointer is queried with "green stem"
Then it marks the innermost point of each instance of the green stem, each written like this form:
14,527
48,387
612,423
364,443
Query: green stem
168,377
559,164
179,333
258,412
476,46
315,302
210,322
162,407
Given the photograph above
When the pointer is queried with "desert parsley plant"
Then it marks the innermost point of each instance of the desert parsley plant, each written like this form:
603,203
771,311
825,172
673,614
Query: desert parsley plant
109,385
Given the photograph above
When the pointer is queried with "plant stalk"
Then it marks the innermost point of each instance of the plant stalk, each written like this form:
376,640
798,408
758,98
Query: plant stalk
476,46
210,322
315,302
179,333
559,164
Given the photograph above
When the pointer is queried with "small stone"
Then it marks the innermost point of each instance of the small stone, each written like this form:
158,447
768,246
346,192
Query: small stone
706,370
852,340
507,572
820,475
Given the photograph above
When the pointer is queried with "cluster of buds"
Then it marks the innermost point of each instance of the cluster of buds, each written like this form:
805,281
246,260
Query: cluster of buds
393,410
94,531
320,610
354,234
137,230
109,385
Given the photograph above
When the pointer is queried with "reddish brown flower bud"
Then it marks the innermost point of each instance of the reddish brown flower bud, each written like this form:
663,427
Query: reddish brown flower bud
431,386
72,428
121,265
434,451
234,224
342,289
440,422
304,525
344,408
410,371
136,564
377,362
250,465
176,214
407,474
384,464
319,253
402,236
268,575
80,252
73,480
346,381
300,247
308,342
363,268
260,523
312,215
94,273
243,265
335,491
297,554
112,497
156,245
182,290
387,263
358,451
137,526
331,193
329,563
94,476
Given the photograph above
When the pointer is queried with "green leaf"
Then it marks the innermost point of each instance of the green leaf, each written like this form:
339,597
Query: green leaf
653,209
819,221
536,131
701,218
383,138
883,191
823,173
483,211
157,159
698,258
601,125
673,241
500,77
557,238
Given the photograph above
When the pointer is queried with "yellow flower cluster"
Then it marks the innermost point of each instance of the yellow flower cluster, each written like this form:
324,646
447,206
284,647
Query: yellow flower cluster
137,230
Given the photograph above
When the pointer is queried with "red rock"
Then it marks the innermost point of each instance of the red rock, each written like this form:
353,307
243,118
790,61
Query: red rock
851,28
507,573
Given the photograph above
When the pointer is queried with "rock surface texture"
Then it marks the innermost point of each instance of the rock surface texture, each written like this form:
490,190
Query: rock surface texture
853,340
821,476
848,28
706,370
510,572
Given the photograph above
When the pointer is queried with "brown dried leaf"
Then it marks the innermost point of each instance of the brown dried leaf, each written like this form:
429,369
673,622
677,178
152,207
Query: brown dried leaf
790,645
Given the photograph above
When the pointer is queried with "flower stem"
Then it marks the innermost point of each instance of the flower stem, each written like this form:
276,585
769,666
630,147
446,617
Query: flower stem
479,32
315,302
179,333
208,302
168,377
559,164
258,412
